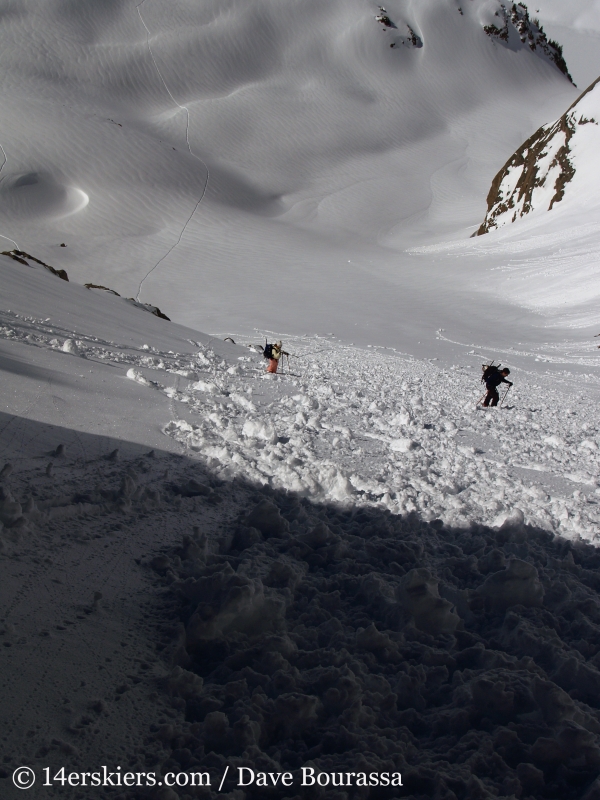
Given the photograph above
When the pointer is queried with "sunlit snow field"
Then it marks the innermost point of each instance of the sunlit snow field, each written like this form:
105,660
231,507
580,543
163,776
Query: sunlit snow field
350,561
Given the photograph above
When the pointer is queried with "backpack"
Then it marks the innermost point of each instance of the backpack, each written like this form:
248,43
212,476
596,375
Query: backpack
268,351
488,370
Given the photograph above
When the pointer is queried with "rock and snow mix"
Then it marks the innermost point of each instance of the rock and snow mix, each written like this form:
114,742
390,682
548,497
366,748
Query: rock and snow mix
348,567
359,570
554,163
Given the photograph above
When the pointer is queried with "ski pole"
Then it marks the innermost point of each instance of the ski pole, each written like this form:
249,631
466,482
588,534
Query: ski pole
481,399
505,393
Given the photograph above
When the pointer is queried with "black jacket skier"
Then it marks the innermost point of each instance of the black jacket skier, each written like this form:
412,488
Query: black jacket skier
493,379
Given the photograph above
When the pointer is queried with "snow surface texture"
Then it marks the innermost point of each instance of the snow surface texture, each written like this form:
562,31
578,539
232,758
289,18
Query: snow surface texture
258,163
347,576
284,633
376,428
577,27
555,163
363,425
227,146
355,641
86,636
368,427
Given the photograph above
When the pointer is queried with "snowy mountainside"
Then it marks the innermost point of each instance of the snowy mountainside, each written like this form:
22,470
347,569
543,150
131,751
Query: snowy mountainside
557,164
205,564
343,424
576,26
177,149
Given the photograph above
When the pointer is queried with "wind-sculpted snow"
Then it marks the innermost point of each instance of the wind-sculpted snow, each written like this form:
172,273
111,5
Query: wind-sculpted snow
313,119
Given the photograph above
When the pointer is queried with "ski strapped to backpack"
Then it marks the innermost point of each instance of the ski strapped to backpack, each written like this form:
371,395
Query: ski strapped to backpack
488,370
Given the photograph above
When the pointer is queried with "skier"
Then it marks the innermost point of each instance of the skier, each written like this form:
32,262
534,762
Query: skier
493,377
275,354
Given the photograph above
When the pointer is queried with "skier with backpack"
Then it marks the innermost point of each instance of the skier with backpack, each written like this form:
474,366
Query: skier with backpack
493,376
273,353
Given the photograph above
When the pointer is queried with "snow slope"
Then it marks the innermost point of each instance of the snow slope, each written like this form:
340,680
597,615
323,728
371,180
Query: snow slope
576,27
203,565
541,248
347,567
348,425
227,148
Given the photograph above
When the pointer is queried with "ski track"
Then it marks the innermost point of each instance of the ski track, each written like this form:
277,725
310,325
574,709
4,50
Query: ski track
187,139
4,163
361,448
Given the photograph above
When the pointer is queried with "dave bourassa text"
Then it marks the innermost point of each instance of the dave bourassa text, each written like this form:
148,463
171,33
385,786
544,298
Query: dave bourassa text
309,776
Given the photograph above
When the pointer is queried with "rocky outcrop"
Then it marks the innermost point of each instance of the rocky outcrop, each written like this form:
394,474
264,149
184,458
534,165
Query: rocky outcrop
144,306
148,307
410,38
21,257
536,175
514,22
98,286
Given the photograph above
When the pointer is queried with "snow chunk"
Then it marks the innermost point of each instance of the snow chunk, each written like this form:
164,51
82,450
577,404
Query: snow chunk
403,417
136,375
402,445
204,386
259,429
554,441
242,401
70,346
514,517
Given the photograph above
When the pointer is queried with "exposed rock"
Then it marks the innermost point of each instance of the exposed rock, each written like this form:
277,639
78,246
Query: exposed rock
21,256
384,19
515,22
98,286
536,176
148,307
